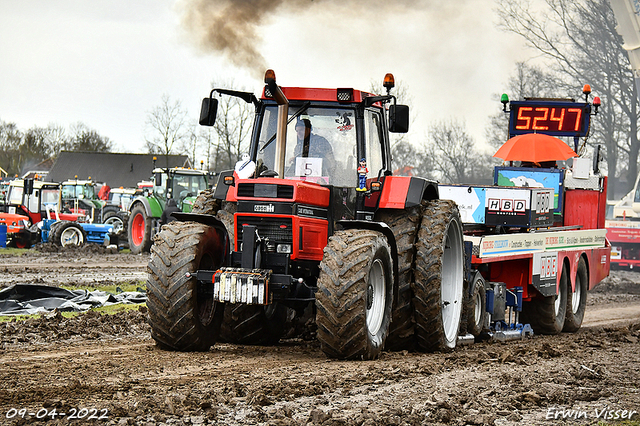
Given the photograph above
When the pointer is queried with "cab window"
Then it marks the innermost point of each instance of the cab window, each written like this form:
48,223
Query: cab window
373,142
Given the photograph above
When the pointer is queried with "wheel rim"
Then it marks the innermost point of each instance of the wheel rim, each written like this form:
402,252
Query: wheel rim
576,296
116,222
70,237
478,309
451,286
376,290
557,305
137,229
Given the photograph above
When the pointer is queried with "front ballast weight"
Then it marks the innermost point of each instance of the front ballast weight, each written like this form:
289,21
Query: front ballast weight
237,285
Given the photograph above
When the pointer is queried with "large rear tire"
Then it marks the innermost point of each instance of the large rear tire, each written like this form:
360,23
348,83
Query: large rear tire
182,313
547,315
439,280
404,225
577,299
355,294
139,230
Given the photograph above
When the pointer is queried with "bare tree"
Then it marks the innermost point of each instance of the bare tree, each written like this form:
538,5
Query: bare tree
579,41
232,128
167,129
453,155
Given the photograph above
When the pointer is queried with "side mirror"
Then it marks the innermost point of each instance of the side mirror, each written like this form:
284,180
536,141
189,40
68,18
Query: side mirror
208,111
398,118
158,181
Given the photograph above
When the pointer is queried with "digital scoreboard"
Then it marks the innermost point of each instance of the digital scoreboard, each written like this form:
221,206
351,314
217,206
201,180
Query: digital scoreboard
549,117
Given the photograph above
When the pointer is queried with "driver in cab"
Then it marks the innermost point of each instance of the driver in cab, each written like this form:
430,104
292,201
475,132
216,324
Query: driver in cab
310,145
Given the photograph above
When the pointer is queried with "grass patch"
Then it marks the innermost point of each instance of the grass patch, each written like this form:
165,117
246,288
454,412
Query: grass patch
12,251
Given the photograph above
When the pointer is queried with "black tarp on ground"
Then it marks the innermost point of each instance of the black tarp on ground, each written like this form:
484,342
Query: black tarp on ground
26,299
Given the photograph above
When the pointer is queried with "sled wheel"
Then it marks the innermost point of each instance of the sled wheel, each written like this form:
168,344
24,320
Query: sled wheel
439,280
355,294
547,315
577,299
476,307
182,313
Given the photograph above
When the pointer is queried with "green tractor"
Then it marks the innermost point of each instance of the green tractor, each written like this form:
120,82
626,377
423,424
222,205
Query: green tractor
179,184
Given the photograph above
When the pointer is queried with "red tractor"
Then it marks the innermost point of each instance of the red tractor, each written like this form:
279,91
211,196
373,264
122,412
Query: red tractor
312,220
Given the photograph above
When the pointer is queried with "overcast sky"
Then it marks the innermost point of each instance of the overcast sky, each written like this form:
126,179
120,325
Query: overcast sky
107,63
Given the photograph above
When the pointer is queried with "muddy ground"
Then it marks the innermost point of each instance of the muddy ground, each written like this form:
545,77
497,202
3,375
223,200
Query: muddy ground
107,370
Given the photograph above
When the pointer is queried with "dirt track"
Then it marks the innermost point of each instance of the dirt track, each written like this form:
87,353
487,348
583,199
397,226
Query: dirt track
110,366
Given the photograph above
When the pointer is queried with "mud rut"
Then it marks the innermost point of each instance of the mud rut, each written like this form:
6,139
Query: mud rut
111,364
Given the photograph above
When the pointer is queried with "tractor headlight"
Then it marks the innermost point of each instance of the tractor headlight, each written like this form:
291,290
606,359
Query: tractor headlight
283,248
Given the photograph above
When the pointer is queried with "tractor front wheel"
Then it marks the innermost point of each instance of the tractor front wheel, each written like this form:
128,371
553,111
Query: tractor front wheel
182,313
139,230
355,294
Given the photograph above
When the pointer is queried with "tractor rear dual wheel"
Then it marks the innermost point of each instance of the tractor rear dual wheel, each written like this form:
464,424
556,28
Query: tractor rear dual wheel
404,225
182,313
355,294
439,277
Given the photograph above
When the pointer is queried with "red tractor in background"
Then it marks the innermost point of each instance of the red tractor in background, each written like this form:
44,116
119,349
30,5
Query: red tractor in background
312,220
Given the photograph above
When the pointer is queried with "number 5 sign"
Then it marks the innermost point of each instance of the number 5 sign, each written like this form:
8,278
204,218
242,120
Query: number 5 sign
308,167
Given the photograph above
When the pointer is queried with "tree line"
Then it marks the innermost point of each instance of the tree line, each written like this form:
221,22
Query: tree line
21,149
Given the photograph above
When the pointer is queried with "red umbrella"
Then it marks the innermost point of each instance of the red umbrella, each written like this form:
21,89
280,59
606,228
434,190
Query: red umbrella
535,147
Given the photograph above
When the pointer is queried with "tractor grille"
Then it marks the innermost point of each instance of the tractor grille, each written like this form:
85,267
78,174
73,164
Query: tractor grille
262,190
276,229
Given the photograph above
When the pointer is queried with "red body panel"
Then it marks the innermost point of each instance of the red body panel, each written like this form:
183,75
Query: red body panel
314,233
313,94
12,222
585,207
303,192
627,240
394,192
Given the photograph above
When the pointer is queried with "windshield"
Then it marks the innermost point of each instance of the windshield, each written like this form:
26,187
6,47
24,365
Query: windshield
188,185
78,191
321,145
49,197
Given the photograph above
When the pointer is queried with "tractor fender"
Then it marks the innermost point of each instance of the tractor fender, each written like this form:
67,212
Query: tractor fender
387,232
401,192
152,207
209,220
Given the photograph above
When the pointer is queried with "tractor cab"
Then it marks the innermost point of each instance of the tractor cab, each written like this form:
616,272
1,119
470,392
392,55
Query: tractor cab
180,184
